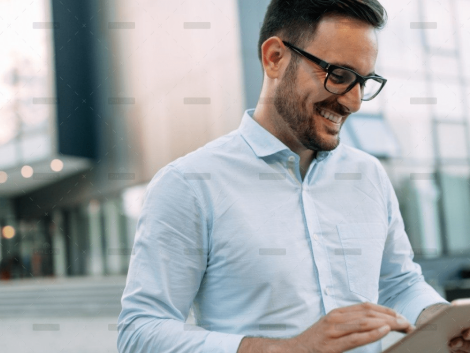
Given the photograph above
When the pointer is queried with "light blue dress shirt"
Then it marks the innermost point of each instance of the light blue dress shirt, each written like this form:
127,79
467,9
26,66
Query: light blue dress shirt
232,230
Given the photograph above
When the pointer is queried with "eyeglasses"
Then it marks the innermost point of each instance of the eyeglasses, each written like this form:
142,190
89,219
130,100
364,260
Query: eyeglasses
340,80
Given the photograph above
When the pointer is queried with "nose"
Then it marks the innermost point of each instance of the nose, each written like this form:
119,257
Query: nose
352,98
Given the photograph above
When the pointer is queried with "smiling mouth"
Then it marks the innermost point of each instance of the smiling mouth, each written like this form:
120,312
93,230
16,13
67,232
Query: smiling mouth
332,117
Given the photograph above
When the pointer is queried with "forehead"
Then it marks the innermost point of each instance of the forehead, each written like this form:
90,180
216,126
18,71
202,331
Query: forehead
345,41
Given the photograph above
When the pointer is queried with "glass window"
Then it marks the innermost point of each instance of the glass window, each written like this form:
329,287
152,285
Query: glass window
373,135
439,12
452,141
35,147
449,104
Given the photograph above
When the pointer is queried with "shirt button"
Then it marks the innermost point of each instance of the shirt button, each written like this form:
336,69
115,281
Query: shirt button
327,291
315,237
291,158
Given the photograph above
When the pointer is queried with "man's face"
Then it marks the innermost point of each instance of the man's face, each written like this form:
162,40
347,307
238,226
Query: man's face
301,95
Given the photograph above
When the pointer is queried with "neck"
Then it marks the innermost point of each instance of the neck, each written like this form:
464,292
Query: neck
272,122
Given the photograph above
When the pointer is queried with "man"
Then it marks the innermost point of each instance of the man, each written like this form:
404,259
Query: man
282,238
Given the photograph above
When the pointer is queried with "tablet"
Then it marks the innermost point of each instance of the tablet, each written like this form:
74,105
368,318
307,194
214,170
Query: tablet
435,334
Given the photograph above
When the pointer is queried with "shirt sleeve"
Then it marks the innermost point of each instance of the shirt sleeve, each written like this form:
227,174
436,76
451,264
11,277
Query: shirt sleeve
165,271
402,286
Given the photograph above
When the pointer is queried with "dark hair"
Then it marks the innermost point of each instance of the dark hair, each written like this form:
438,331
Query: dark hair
297,20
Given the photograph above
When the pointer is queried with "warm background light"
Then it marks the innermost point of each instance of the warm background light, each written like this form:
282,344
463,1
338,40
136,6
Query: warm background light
3,177
8,232
57,165
27,171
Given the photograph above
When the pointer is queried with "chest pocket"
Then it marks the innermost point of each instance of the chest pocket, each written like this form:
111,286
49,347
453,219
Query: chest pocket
362,248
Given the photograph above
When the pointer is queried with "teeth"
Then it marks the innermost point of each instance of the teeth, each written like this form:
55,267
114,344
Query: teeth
332,117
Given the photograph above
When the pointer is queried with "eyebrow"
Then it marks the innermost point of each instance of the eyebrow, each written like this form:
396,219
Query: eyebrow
352,68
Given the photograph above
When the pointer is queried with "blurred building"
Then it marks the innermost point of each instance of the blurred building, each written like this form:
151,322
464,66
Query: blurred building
98,96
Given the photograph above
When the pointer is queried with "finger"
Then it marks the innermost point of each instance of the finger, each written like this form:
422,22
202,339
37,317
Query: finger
460,344
361,338
355,322
466,334
370,306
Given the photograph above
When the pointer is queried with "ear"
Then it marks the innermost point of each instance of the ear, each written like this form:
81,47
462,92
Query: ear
275,57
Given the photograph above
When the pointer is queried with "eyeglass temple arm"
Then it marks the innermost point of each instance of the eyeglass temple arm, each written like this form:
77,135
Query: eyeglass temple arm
310,57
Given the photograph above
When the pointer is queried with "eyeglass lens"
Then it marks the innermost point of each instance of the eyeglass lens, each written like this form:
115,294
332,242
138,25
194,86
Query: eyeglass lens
339,81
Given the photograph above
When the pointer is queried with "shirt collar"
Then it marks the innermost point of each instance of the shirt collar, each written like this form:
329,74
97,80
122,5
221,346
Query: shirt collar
263,142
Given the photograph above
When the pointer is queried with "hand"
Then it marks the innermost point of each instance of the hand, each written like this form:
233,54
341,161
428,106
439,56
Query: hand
461,344
458,344
348,327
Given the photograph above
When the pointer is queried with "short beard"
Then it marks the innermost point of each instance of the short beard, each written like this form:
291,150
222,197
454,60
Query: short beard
293,111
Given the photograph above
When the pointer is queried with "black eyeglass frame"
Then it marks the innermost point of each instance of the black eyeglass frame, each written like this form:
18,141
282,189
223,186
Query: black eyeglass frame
330,67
